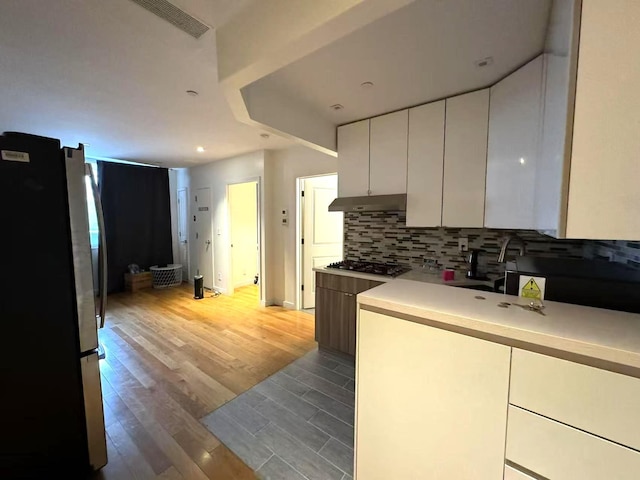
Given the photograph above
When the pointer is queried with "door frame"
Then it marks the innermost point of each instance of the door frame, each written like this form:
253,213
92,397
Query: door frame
227,239
185,268
299,231
192,230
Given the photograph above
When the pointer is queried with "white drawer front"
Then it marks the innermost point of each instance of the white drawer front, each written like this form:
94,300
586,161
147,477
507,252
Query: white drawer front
558,452
513,474
597,401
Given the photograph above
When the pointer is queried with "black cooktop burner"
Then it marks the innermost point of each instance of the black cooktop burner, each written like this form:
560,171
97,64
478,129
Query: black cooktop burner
388,270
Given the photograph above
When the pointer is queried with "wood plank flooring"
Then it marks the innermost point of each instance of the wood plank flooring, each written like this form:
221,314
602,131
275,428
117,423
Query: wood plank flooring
170,360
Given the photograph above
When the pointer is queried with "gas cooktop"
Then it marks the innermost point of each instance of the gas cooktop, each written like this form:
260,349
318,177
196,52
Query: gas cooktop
387,270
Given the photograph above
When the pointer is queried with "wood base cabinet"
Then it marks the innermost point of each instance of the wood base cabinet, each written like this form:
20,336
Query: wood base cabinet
336,310
430,404
336,320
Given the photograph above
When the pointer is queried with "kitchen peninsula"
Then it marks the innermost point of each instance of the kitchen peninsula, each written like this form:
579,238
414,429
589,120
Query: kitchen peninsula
455,383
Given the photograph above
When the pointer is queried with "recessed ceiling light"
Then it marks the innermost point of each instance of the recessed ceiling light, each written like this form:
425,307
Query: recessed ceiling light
366,85
192,93
484,62
522,161
336,107
200,149
264,135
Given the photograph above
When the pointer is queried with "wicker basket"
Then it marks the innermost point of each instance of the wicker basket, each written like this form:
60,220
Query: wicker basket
165,277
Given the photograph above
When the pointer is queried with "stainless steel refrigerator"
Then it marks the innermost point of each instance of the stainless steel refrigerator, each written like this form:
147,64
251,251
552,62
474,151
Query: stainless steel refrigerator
52,415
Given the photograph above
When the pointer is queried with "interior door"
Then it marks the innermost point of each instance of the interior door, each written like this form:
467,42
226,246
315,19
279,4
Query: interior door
183,232
203,235
321,232
243,219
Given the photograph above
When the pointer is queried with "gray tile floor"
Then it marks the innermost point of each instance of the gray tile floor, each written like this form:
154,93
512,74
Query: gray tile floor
297,424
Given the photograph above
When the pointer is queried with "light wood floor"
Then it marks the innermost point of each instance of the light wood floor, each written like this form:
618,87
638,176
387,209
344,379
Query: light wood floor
170,360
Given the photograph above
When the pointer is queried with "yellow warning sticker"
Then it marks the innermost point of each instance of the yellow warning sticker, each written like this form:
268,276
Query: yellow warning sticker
532,287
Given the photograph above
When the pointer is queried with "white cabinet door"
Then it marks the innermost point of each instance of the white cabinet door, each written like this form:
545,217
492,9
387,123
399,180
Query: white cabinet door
556,451
551,178
564,391
465,160
514,130
353,159
430,404
388,156
425,165
604,198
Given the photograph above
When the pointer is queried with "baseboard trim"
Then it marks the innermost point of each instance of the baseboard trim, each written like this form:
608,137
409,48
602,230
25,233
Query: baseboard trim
289,305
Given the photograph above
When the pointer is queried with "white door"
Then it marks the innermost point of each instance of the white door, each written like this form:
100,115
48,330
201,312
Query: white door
243,225
183,232
321,232
203,235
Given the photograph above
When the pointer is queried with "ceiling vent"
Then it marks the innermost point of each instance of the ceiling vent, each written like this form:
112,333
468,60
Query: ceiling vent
172,14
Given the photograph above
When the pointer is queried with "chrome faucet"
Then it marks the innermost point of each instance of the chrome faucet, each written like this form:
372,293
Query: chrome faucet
505,244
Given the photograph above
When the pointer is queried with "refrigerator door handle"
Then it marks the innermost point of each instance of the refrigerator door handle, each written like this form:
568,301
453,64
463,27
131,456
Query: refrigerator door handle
102,246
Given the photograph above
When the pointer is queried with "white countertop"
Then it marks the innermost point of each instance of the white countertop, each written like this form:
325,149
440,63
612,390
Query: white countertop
596,333
414,274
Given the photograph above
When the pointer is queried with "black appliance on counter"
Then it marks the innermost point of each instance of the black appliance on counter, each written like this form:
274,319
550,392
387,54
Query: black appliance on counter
477,270
594,283
388,270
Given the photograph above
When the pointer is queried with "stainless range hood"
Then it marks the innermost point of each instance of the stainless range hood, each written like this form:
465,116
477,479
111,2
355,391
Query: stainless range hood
374,203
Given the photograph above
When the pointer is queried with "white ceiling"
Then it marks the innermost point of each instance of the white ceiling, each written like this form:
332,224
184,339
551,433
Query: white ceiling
422,52
111,74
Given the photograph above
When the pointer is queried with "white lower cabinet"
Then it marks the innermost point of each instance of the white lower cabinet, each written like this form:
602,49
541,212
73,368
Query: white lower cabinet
556,451
434,404
594,400
430,404
511,473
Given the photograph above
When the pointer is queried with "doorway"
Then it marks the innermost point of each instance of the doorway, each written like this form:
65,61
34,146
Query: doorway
183,232
203,235
244,238
320,232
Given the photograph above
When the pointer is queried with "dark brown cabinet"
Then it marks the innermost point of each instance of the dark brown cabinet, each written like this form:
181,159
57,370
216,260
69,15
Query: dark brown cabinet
336,310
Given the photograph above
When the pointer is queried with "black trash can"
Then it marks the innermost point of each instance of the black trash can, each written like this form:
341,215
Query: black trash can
198,287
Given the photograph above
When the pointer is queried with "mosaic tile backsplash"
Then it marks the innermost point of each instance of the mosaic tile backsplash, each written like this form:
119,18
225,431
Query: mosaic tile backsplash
620,251
384,237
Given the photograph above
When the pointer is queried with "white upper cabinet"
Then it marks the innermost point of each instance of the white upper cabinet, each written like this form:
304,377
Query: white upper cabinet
604,193
465,160
388,154
515,122
353,159
425,165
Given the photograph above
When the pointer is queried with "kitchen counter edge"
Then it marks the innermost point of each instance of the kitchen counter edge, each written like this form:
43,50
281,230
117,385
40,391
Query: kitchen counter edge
603,338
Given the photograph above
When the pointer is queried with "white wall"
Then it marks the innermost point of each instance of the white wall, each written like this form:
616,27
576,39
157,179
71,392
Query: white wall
278,170
216,176
282,168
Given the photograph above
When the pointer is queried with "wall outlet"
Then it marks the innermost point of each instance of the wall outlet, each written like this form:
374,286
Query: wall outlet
219,276
463,244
